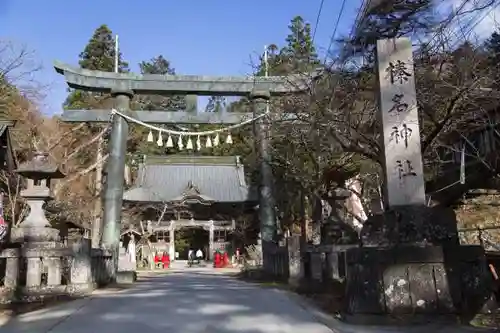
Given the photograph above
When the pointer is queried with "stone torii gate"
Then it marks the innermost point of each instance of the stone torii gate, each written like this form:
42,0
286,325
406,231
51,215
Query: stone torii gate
123,86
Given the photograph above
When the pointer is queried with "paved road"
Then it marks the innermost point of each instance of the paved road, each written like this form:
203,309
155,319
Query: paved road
194,300
183,301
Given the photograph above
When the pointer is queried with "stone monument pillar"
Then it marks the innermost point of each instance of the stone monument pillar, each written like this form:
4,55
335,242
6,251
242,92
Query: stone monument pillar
411,261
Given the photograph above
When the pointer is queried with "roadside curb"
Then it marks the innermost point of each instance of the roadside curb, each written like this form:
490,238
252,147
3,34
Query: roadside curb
313,310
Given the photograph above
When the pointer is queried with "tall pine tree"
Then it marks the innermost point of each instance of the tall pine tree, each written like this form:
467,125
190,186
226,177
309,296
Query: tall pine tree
299,53
492,46
159,65
138,145
98,54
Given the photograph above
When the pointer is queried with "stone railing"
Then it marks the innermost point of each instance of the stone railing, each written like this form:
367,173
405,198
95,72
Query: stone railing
315,264
326,262
51,269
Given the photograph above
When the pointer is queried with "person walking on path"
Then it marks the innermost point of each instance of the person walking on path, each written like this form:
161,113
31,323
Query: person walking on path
199,255
190,257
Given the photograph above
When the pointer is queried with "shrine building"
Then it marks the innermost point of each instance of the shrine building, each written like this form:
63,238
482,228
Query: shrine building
175,192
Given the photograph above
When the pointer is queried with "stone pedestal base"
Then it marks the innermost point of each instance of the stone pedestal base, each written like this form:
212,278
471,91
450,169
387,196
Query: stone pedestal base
413,280
126,277
34,235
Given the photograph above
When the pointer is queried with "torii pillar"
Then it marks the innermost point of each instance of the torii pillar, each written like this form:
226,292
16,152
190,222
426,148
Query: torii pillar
267,214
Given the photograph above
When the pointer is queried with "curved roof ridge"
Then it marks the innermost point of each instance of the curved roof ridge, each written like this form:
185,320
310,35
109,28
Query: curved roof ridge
192,159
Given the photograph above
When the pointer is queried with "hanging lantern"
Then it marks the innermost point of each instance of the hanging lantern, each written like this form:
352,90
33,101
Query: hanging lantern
159,142
179,143
229,139
150,136
189,145
208,143
170,142
216,140
198,143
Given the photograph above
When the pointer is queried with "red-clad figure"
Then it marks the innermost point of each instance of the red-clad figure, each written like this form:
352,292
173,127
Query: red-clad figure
217,260
157,260
225,260
165,259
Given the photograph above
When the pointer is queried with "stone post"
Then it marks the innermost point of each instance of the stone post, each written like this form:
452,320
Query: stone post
33,272
317,222
81,271
113,192
316,266
171,242
12,272
295,269
54,271
267,212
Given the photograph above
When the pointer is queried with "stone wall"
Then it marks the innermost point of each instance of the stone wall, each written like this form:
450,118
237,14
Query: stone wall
478,219
405,280
52,269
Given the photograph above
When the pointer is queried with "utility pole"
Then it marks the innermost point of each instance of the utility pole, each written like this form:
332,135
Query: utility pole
97,225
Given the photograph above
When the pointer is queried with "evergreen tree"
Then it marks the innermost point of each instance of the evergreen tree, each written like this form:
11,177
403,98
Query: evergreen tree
299,52
297,56
390,19
159,65
216,104
492,46
137,143
99,54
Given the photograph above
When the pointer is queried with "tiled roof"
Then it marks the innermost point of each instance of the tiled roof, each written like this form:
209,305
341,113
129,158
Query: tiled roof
168,178
41,164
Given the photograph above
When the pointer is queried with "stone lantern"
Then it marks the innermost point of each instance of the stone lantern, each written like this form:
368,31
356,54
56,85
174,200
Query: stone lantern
39,171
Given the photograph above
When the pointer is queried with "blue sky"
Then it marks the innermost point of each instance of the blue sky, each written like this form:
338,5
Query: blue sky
214,37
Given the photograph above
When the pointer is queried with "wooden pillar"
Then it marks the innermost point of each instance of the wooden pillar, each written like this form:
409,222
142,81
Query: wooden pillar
211,240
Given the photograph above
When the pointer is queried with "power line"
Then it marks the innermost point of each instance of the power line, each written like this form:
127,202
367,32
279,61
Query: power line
445,23
317,19
471,24
481,19
360,16
332,38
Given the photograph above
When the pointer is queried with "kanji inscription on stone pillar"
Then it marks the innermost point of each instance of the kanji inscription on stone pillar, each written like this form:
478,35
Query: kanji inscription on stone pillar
399,115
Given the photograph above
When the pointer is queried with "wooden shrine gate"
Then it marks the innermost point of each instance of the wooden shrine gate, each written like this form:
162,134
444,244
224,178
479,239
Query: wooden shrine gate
123,86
